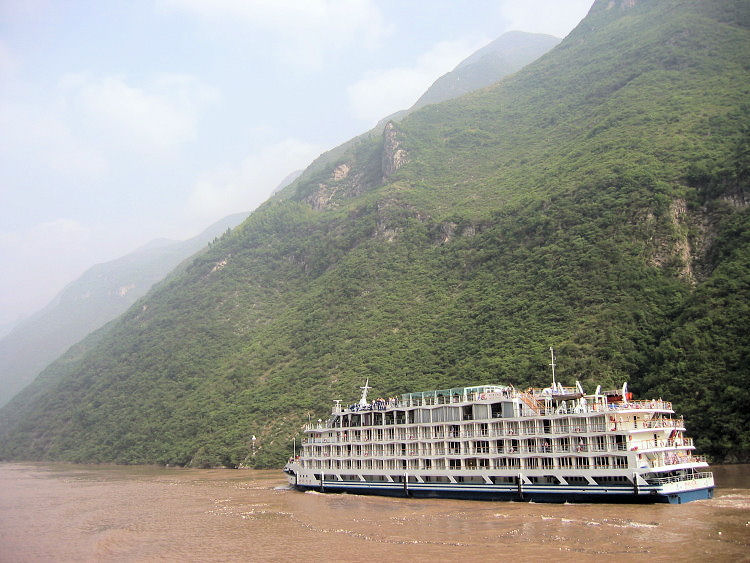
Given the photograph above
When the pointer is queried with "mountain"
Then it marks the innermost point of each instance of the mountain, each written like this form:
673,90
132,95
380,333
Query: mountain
595,201
505,55
101,294
288,179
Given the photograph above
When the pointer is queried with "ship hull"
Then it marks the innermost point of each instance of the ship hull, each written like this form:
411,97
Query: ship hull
514,494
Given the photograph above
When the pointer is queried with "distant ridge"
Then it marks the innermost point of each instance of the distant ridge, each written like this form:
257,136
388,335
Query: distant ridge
102,293
505,55
288,179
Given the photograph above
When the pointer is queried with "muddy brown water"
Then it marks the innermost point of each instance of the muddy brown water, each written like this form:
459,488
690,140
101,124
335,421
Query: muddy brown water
51,512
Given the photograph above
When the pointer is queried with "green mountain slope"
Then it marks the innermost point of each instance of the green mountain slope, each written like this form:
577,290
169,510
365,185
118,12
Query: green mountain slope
102,293
505,55
595,201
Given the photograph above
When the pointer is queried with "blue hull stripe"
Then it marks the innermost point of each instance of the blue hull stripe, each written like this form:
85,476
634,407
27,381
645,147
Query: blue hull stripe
539,493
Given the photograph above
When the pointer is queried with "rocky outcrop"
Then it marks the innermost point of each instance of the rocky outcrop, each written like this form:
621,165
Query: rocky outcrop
394,155
345,181
675,250
391,217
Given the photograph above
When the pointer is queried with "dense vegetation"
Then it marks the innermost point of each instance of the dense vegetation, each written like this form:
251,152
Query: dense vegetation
595,201
100,294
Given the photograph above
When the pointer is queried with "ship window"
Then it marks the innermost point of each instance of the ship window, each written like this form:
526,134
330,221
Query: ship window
497,410
620,462
576,480
601,462
480,412
612,480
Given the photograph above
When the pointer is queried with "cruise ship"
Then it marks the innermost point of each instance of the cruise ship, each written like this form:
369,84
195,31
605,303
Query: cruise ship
496,442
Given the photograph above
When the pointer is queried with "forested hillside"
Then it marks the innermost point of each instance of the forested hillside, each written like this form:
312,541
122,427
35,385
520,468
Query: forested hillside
99,295
595,201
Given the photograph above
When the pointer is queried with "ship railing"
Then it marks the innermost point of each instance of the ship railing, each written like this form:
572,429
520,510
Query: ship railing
661,444
676,459
582,428
678,478
664,423
532,401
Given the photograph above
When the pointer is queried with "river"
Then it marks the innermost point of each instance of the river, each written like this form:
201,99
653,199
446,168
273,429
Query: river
58,512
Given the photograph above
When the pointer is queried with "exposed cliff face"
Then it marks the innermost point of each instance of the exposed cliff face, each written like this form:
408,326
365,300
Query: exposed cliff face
394,155
352,177
345,181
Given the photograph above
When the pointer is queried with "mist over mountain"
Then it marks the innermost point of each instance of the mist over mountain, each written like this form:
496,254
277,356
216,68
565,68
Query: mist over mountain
102,293
505,55
595,201
288,179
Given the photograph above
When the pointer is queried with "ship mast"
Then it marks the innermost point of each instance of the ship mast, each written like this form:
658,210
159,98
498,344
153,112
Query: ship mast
552,353
363,400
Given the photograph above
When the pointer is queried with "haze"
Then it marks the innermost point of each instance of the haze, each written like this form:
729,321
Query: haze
125,122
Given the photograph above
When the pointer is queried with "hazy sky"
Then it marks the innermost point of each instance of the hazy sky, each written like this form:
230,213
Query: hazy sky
121,122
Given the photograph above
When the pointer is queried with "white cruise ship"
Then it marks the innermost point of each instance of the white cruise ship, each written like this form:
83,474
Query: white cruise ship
495,442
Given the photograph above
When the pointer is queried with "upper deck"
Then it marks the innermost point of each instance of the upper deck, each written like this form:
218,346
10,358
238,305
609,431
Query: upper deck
532,402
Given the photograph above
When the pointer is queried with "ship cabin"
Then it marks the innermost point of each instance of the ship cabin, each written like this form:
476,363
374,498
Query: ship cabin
498,429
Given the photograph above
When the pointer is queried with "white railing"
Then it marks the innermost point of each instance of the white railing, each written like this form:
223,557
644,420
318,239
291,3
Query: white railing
677,479
537,401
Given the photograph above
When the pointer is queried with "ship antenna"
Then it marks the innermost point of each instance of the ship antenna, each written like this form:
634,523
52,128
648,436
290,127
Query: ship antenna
552,353
363,400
